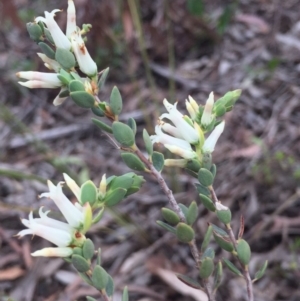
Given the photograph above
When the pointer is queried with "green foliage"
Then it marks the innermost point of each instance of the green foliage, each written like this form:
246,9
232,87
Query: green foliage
218,275
132,124
47,50
261,271
207,238
189,281
88,193
206,268
103,126
158,161
34,30
224,216
80,263
75,85
125,294
88,249
192,213
83,99
123,134
65,58
148,143
243,251
232,267
102,78
116,103
99,278
195,7
170,216
166,227
184,233
133,161
207,202
114,197
205,177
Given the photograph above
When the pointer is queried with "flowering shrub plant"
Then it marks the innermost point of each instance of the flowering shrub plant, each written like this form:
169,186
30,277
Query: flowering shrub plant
192,138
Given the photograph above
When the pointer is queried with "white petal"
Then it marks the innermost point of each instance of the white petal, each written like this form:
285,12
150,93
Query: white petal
71,18
72,185
184,153
49,63
73,216
50,78
187,131
53,252
171,130
85,62
59,100
210,142
35,84
207,116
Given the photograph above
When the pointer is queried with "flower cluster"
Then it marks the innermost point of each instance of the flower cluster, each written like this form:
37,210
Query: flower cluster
65,52
64,235
185,137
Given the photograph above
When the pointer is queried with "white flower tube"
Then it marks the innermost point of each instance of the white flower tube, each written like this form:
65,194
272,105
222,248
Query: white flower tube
184,153
170,129
72,214
72,185
102,186
59,38
47,78
207,116
210,142
187,131
85,62
59,233
71,18
53,252
163,138
49,63
36,84
59,100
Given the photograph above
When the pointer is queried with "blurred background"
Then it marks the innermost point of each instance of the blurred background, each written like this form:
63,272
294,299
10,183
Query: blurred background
156,50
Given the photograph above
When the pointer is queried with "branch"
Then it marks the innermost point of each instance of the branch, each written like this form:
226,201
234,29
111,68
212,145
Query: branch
234,242
176,208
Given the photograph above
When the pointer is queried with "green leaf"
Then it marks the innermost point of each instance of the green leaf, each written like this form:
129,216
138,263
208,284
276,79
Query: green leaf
170,216
99,278
213,170
203,190
209,252
232,267
244,251
98,216
103,77
34,30
224,216
48,35
80,264
98,111
184,233
99,257
116,103
88,193
125,294
76,86
114,197
193,165
124,181
207,238
158,161
90,298
166,227
205,177
103,126
46,49
184,209
148,143
123,134
65,58
110,287
76,76
132,124
218,275
133,161
64,93
192,213
207,202
77,251
222,239
206,268
261,271
85,278
189,281
88,249
207,157
83,99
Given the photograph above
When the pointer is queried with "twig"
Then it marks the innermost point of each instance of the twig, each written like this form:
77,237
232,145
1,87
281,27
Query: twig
176,208
234,242
104,295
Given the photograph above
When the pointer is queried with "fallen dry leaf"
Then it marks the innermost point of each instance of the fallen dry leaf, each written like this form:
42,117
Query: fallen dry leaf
11,273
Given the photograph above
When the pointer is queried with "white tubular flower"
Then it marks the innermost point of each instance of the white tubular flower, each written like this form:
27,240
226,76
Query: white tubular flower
72,185
163,138
184,153
187,131
59,38
207,116
190,109
193,103
59,233
102,186
176,162
210,142
72,214
71,18
59,100
49,63
170,129
53,252
85,62
37,79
